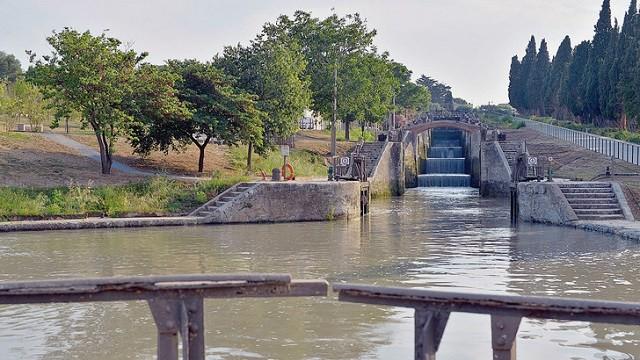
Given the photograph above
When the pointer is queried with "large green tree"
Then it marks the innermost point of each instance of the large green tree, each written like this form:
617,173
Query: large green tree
328,45
92,75
274,71
10,67
218,111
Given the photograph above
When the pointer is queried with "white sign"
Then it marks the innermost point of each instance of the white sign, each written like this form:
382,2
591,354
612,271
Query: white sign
532,161
284,150
344,161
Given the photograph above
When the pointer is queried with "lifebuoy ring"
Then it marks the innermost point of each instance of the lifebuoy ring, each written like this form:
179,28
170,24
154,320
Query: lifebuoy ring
292,174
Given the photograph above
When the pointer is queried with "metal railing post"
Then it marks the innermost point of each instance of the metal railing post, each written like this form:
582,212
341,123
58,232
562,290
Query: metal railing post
429,328
503,336
166,315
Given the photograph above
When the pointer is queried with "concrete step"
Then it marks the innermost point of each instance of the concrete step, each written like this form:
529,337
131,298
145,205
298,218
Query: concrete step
593,201
205,213
601,217
584,185
568,190
595,206
580,212
590,195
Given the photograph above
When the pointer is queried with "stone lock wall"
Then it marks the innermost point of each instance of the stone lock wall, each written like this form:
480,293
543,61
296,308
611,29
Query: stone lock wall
388,178
293,201
495,173
544,203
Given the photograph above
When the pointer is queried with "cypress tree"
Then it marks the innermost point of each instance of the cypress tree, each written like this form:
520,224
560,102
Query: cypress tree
515,84
576,79
537,80
527,67
556,88
628,61
597,55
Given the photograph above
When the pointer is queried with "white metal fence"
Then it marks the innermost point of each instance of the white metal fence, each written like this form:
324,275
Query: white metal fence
607,146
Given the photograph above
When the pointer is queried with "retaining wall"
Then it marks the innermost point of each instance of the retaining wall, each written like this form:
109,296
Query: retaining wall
388,178
495,171
291,202
544,203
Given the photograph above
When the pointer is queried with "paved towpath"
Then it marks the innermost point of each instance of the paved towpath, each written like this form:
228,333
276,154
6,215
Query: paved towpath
93,154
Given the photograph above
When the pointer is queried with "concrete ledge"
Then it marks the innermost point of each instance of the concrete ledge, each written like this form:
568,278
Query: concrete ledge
622,201
544,202
97,223
625,229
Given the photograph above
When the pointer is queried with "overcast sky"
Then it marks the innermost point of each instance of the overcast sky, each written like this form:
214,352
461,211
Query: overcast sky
467,44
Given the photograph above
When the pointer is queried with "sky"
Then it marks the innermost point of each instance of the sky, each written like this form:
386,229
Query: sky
467,44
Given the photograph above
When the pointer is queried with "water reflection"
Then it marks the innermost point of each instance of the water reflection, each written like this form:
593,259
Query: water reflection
438,238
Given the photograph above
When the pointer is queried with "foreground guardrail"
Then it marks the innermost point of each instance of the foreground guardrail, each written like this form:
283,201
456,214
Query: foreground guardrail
176,302
432,309
616,149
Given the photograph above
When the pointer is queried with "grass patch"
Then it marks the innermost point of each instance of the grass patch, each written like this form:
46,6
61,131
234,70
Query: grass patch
158,196
304,162
355,135
502,121
15,136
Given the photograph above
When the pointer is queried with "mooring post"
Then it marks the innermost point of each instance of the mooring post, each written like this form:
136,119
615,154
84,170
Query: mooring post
429,328
503,336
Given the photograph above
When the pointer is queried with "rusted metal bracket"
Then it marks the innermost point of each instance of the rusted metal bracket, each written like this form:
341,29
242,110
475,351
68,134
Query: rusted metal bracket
504,330
429,328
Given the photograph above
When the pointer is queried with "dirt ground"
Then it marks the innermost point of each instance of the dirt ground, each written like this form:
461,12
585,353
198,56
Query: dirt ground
32,161
29,160
573,162
216,157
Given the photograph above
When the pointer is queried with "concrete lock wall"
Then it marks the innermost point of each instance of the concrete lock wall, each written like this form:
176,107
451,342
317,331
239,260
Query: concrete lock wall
388,178
293,201
544,203
495,172
473,144
411,158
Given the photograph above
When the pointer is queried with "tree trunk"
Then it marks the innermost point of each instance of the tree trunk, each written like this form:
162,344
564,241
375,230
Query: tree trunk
249,153
347,127
362,130
105,154
201,158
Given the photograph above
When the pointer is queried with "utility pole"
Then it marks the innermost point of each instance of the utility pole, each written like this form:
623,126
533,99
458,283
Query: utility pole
393,115
335,114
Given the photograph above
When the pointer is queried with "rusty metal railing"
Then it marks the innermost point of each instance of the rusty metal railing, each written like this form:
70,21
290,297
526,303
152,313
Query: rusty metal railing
176,302
432,309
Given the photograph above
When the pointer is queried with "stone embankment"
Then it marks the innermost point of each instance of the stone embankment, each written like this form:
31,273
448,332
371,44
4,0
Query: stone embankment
591,206
245,203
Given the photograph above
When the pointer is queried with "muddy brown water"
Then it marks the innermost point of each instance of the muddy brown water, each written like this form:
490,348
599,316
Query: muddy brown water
436,238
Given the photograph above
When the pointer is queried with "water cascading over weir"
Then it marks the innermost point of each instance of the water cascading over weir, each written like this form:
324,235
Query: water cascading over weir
445,165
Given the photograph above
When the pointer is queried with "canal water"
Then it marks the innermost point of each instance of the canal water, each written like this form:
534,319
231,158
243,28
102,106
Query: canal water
447,239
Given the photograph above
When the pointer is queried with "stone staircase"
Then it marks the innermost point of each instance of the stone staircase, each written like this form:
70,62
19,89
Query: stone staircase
511,149
593,200
372,152
211,207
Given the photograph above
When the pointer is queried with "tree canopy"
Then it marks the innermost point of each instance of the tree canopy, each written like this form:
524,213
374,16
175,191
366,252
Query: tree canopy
595,82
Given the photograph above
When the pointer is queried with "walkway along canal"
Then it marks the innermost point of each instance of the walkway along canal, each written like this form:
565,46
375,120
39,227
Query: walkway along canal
442,239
